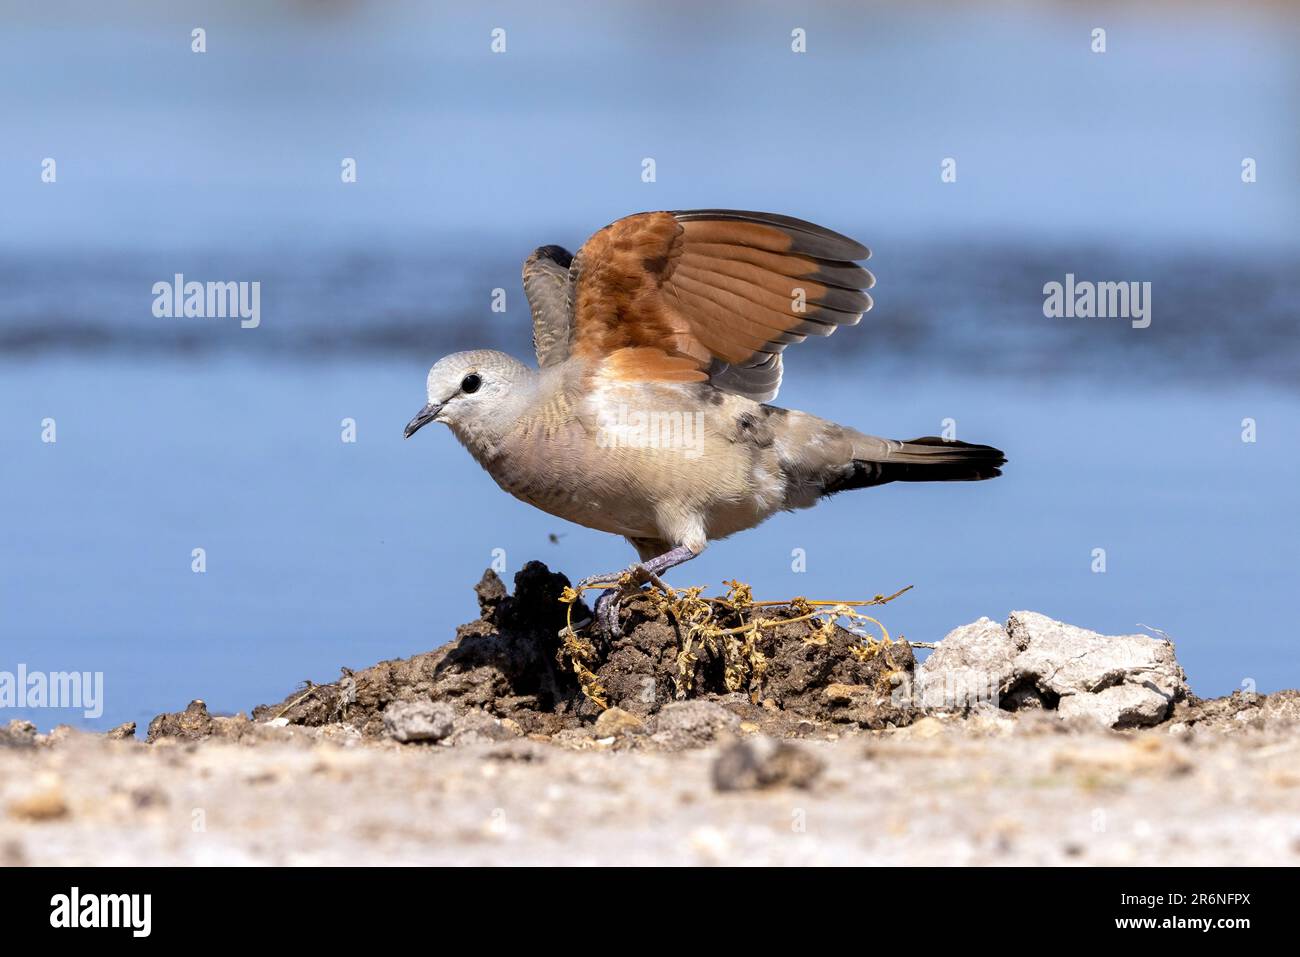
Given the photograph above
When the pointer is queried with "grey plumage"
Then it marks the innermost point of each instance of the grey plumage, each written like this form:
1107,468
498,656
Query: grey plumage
656,345
553,438
546,286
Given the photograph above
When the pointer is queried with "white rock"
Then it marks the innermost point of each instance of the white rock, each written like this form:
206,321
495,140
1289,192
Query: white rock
973,664
1117,680
1035,661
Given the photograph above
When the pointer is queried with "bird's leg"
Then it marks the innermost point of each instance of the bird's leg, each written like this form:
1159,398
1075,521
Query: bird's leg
669,559
651,566
607,604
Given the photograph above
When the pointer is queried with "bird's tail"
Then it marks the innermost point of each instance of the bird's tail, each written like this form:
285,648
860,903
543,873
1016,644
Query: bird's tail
927,459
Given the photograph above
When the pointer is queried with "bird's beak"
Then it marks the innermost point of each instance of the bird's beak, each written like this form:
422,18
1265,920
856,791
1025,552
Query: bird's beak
422,418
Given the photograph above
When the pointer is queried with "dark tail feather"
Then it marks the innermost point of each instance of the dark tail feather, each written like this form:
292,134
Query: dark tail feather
927,459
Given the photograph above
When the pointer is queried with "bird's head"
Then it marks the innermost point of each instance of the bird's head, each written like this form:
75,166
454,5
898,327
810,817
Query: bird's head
473,392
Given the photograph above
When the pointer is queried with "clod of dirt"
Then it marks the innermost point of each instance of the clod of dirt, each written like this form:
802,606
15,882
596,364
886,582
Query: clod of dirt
478,727
796,668
615,721
18,734
1036,662
1241,710
196,724
693,724
418,720
760,762
512,666
192,724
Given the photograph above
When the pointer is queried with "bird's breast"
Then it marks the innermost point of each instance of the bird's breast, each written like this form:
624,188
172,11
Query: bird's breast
643,462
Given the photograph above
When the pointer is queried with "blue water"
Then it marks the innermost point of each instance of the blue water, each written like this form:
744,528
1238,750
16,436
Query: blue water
321,553
224,166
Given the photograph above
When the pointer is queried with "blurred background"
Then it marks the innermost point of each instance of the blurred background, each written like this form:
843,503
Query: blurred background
175,434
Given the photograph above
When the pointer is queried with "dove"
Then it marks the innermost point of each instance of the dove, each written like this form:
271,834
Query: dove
659,350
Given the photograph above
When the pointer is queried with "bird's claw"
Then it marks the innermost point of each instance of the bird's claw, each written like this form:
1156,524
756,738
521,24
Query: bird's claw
605,615
609,603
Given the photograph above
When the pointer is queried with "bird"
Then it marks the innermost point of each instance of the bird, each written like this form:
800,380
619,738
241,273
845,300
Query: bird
659,349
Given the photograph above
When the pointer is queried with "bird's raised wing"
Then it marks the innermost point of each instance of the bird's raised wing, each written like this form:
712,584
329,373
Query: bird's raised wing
711,295
546,284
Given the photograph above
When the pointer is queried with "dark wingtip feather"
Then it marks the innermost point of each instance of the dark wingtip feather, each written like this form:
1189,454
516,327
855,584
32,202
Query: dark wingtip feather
809,238
556,254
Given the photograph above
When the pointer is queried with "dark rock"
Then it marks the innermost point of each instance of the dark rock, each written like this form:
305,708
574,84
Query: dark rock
754,763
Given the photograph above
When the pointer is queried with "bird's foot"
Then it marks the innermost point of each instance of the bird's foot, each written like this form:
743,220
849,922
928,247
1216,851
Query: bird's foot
619,578
629,580
609,603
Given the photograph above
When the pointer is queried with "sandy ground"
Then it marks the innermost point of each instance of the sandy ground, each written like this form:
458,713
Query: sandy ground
989,790
724,733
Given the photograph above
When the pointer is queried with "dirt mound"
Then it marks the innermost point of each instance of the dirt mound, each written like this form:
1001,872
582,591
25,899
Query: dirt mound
511,667
686,670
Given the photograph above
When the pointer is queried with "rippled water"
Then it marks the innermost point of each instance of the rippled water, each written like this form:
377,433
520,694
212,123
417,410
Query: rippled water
938,307
321,553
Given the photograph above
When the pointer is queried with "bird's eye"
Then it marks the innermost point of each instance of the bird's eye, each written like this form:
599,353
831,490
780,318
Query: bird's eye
470,383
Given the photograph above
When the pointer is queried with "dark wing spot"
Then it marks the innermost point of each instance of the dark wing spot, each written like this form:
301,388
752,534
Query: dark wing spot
751,428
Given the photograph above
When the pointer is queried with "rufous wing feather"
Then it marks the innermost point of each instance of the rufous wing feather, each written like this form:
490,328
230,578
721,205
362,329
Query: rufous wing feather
711,294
